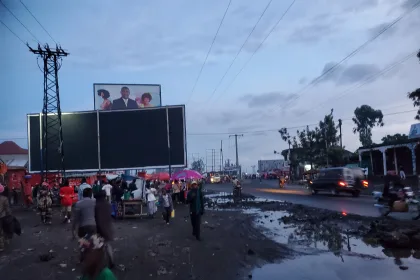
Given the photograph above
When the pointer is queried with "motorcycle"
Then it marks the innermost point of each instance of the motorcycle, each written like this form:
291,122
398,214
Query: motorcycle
407,203
237,190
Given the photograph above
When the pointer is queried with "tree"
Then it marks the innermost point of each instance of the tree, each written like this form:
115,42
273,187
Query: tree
286,138
365,118
198,165
394,139
415,97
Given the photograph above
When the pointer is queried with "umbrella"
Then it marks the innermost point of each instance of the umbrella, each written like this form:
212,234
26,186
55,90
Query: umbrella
162,176
187,174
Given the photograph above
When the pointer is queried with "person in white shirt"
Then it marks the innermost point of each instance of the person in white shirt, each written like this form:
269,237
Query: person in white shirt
107,188
402,173
151,200
83,186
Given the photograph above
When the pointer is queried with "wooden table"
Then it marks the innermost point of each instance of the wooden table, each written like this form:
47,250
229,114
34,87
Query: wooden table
134,202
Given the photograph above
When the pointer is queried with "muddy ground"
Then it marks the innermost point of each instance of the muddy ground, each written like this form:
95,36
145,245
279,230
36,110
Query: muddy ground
234,241
146,248
325,224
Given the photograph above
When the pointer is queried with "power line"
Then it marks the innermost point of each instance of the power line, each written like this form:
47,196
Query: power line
208,53
24,26
27,9
260,45
291,127
11,31
299,93
239,51
363,83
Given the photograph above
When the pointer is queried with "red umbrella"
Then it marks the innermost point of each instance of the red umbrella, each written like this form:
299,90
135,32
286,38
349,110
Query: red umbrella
162,176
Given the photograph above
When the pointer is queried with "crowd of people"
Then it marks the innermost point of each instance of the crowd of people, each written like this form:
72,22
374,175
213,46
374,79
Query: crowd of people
89,209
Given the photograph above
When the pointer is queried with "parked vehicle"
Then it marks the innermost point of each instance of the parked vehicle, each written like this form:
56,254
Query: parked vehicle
339,180
408,202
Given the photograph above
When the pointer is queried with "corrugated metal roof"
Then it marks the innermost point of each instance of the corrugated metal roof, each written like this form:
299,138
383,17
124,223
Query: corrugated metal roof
11,148
17,162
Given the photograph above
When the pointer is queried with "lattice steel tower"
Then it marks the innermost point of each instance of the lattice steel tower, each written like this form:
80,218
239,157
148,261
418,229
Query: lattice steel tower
52,148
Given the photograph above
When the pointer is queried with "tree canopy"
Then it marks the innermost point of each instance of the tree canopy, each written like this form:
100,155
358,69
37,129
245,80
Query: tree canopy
394,139
314,145
415,97
365,118
198,165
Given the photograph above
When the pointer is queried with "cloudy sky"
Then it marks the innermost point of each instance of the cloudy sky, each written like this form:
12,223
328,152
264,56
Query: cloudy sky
272,83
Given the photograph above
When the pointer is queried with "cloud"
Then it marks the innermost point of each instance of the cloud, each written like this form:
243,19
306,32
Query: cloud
345,75
311,33
266,99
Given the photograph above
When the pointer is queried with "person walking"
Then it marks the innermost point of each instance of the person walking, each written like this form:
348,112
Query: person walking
195,199
176,190
4,211
167,204
84,215
103,212
107,188
66,195
45,203
151,200
83,186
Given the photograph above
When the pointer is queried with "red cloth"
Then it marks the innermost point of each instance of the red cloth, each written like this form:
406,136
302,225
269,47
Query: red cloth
67,194
27,188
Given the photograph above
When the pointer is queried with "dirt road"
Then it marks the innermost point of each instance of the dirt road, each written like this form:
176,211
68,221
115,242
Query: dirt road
146,249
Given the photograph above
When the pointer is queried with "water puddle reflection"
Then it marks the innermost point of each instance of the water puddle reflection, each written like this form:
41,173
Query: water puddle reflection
333,252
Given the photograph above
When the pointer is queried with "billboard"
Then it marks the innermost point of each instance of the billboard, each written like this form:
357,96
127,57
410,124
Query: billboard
270,164
114,140
126,96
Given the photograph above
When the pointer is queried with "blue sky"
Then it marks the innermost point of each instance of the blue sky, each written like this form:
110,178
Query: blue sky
165,42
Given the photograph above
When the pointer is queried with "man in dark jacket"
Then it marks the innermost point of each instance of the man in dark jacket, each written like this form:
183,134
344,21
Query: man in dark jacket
103,211
195,199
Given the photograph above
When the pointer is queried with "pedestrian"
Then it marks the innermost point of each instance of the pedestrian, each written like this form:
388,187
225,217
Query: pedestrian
84,215
35,190
96,188
103,211
83,186
167,204
94,264
132,186
195,199
45,203
66,195
107,188
4,211
27,192
151,200
176,192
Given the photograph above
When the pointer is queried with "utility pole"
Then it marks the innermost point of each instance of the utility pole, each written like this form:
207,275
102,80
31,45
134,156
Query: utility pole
52,148
253,169
221,155
236,148
340,123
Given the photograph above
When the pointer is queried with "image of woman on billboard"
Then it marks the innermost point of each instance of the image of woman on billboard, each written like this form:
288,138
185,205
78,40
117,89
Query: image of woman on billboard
144,100
106,104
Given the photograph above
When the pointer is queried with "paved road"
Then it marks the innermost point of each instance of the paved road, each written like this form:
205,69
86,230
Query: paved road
362,205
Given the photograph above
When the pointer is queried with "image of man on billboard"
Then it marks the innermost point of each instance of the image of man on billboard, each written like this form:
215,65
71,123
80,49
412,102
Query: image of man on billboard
123,97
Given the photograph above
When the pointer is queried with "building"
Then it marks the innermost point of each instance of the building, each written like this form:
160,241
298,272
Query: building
270,165
13,155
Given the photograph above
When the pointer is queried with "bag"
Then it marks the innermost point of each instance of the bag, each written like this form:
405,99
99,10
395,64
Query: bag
173,214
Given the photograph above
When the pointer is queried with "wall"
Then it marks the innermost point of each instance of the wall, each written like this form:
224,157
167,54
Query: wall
14,157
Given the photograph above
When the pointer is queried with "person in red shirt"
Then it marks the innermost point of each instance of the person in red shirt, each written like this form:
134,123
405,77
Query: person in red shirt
27,192
67,195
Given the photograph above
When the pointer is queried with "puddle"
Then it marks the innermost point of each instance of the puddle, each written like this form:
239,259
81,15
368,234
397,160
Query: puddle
329,267
225,198
334,254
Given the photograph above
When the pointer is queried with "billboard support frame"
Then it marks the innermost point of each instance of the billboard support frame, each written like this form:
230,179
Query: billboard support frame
114,169
99,141
168,131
